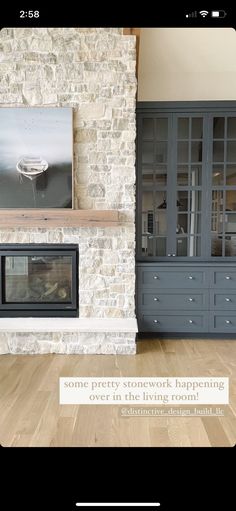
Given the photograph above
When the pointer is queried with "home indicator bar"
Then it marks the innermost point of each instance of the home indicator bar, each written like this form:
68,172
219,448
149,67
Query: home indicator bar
118,504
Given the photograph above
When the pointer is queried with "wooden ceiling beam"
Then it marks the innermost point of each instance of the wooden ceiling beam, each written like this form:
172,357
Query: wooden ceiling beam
136,32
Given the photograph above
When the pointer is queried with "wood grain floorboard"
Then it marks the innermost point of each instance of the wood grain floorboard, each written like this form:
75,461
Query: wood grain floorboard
30,413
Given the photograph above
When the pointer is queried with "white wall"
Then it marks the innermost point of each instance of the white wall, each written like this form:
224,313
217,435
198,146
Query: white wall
187,64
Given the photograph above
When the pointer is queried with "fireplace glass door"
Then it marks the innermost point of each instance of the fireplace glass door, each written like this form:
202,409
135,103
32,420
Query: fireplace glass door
41,280
38,279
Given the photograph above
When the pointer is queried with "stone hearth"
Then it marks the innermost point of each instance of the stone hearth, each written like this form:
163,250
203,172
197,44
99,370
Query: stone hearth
93,71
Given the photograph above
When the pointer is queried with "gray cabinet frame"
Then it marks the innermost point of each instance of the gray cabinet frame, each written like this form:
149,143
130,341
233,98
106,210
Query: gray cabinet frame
174,110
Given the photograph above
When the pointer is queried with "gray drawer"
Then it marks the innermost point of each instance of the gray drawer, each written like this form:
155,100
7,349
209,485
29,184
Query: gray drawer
173,299
171,322
224,322
222,300
169,278
225,279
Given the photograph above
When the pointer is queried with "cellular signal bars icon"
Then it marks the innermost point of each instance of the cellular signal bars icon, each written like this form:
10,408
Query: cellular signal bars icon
192,15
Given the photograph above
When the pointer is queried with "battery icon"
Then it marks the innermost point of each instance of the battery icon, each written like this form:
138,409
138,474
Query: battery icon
218,14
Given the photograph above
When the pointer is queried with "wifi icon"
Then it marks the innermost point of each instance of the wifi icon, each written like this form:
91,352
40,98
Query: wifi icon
204,13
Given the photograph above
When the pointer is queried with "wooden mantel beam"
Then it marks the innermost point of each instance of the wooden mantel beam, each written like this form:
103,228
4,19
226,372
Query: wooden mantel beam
52,218
136,32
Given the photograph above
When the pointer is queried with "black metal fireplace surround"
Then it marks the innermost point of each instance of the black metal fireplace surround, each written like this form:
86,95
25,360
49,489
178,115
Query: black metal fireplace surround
39,280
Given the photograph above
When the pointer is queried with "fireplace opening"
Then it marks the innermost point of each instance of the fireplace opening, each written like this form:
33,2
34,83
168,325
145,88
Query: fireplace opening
39,280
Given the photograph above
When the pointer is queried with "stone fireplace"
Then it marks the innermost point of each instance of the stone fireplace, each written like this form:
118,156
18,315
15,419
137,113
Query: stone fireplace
92,71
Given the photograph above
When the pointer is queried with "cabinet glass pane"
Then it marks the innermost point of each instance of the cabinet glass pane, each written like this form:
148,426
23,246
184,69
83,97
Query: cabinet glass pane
196,175
190,246
231,246
148,129
218,127
160,222
222,246
217,175
182,200
230,222
182,246
214,222
160,247
147,176
231,175
147,213
148,152
154,215
182,225
216,246
196,151
218,151
160,213
231,128
197,128
217,210
231,151
161,175
153,246
161,202
148,245
189,223
183,152
230,200
162,129
182,175
161,152
183,128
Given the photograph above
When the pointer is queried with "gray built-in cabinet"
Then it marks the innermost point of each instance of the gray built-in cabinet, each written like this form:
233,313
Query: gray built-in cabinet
186,217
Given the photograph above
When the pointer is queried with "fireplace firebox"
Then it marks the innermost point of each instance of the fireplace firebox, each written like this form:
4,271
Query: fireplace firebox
39,280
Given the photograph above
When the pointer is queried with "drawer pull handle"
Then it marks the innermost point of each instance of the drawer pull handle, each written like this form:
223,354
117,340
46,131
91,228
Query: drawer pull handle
156,277
191,300
190,277
228,278
190,321
156,299
155,321
228,322
228,299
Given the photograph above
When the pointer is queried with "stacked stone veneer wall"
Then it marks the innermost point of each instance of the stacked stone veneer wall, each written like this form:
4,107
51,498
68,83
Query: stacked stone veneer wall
93,71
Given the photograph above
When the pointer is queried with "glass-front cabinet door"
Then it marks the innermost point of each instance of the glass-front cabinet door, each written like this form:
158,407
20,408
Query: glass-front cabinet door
187,171
170,196
223,186
155,163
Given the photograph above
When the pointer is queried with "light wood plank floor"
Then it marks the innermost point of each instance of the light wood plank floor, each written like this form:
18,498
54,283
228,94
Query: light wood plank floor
30,414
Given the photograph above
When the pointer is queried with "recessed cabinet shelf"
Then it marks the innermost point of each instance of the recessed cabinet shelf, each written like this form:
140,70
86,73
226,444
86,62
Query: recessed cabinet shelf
52,218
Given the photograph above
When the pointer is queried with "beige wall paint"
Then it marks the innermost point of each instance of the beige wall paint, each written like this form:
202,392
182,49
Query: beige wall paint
187,64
